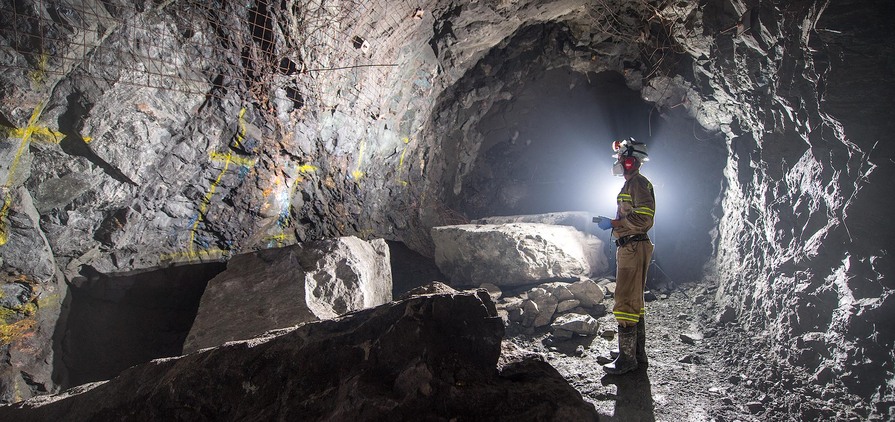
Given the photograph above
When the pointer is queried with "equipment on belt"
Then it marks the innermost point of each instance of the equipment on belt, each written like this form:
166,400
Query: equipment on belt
632,238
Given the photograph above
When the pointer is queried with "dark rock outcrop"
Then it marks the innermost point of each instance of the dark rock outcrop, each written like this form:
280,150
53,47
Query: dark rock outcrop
426,358
282,287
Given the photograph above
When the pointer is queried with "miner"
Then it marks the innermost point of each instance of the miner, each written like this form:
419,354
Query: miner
633,219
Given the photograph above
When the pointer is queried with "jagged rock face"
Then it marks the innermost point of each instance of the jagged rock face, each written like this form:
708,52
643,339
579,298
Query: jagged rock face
287,286
796,93
802,250
427,358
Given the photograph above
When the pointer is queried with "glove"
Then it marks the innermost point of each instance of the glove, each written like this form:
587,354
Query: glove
604,223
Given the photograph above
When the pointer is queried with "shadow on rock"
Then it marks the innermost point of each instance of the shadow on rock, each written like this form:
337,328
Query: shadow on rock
634,397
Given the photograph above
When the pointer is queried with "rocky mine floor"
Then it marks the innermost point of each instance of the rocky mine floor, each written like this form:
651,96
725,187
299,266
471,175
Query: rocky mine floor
698,370
720,377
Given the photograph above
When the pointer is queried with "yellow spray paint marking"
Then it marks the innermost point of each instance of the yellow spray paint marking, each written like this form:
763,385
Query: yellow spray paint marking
204,254
40,74
50,135
230,158
306,168
192,253
279,238
241,135
227,159
357,173
7,200
401,161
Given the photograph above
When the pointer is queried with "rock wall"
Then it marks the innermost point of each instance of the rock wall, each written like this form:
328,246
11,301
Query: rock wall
801,246
137,134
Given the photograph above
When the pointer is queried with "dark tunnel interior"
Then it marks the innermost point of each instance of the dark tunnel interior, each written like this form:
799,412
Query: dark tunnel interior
116,321
547,149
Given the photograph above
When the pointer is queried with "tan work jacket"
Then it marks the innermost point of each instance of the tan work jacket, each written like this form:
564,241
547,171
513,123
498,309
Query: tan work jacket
636,207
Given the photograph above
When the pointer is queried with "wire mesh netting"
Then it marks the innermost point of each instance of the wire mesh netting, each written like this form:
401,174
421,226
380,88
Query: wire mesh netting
185,45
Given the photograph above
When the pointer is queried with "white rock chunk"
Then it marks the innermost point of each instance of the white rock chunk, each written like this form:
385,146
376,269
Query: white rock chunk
516,254
587,292
584,325
567,305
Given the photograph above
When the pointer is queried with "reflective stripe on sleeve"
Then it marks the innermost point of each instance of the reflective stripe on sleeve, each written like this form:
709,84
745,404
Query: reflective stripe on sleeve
645,211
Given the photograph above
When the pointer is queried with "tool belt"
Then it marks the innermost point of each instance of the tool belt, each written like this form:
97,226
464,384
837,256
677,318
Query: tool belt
622,241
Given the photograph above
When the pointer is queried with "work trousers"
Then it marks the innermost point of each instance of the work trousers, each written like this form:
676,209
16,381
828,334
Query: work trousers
632,260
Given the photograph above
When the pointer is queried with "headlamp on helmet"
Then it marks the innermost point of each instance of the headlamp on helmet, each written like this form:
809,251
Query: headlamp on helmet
629,154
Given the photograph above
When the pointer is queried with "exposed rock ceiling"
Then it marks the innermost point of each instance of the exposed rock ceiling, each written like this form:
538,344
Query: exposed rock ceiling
139,134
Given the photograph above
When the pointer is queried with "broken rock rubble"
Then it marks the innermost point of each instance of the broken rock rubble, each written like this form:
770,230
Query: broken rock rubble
568,308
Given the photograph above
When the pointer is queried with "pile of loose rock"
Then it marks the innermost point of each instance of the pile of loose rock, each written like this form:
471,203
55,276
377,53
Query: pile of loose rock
568,309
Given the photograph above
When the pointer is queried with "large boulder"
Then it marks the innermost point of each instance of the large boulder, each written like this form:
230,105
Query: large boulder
278,288
580,220
516,254
426,358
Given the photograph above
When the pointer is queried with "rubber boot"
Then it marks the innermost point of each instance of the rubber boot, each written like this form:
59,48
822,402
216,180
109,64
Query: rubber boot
627,356
641,345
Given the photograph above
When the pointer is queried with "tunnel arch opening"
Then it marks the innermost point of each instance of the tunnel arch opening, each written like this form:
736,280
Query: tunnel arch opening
528,131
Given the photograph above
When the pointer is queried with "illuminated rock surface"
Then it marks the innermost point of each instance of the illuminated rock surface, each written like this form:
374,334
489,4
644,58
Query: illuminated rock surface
515,254
141,134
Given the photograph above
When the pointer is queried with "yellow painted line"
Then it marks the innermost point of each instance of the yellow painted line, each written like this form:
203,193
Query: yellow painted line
230,158
195,255
54,135
241,135
280,239
227,159
307,168
7,201
357,173
206,201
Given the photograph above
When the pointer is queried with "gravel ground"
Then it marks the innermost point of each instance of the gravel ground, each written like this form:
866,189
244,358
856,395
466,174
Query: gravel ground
722,377
698,371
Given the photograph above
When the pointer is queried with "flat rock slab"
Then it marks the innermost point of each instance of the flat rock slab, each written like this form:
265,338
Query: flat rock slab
516,254
580,220
278,288
426,358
